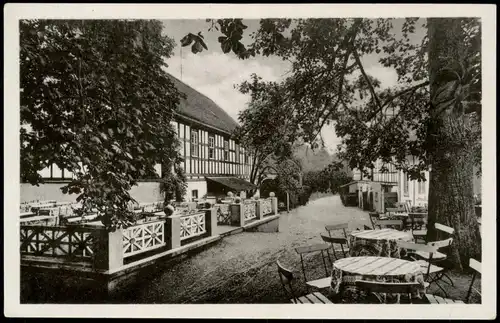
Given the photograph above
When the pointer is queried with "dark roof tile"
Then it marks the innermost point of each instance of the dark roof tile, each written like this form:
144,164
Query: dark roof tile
199,107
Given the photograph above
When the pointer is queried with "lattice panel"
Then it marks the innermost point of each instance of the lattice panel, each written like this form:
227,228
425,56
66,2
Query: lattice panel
56,242
267,207
192,225
249,210
143,237
223,214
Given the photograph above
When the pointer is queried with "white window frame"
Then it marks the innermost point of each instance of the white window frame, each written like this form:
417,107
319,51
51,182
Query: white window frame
211,147
194,143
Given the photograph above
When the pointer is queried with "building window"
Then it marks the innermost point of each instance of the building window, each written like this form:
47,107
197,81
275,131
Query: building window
405,183
421,187
194,143
226,150
211,147
194,194
246,159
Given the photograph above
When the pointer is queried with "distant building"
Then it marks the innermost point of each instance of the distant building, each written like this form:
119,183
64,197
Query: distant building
213,161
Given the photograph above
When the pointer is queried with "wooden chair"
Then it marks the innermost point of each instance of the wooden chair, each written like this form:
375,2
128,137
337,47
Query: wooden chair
374,218
418,229
320,247
394,224
431,269
337,241
286,278
442,258
377,288
476,265
333,228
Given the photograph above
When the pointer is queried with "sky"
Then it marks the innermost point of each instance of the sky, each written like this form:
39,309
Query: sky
215,74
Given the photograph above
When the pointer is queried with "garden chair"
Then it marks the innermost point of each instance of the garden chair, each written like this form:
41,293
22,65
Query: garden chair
376,288
394,224
430,269
476,265
286,278
320,247
442,258
334,228
337,241
418,223
374,218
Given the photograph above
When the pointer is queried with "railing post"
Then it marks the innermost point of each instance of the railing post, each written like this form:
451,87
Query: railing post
274,205
211,221
173,232
108,253
259,210
237,214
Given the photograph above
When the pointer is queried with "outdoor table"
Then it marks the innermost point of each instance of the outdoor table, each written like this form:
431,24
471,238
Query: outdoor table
381,242
347,271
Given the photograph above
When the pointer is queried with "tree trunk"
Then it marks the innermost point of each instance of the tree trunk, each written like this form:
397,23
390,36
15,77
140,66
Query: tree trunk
451,200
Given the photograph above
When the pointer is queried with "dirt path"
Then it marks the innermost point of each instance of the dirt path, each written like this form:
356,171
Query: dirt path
241,268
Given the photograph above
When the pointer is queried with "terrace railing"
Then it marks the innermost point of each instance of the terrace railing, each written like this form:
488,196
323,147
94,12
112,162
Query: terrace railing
192,225
266,206
249,210
143,237
58,241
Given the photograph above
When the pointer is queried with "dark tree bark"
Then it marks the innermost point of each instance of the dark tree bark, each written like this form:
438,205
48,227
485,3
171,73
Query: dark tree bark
451,200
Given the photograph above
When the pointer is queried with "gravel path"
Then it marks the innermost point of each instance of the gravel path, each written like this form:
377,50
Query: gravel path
241,268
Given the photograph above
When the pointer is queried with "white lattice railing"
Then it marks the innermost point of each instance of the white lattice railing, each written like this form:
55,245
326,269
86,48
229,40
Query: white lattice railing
267,206
192,225
143,237
57,241
249,210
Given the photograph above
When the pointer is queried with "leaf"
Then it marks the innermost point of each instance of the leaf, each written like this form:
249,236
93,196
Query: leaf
187,40
226,46
222,39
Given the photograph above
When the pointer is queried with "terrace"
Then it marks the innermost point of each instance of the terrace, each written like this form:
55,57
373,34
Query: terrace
52,236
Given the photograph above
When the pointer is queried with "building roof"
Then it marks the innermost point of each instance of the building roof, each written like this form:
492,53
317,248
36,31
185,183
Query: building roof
199,107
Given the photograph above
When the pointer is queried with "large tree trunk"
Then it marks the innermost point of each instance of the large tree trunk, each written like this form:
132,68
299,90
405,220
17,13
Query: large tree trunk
451,200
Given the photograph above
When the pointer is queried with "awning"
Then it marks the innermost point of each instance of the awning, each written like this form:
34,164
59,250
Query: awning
234,183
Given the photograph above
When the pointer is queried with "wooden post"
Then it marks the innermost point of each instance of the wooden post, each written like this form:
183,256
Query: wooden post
108,249
287,202
173,231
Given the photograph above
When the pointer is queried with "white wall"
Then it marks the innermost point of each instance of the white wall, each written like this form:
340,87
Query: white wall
201,186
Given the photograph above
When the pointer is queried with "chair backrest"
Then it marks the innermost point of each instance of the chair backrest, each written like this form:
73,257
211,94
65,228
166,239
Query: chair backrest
390,288
374,218
441,243
390,223
419,247
476,265
286,278
444,228
335,227
334,239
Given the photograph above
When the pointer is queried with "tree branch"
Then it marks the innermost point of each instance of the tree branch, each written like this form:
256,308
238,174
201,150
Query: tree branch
367,79
389,100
